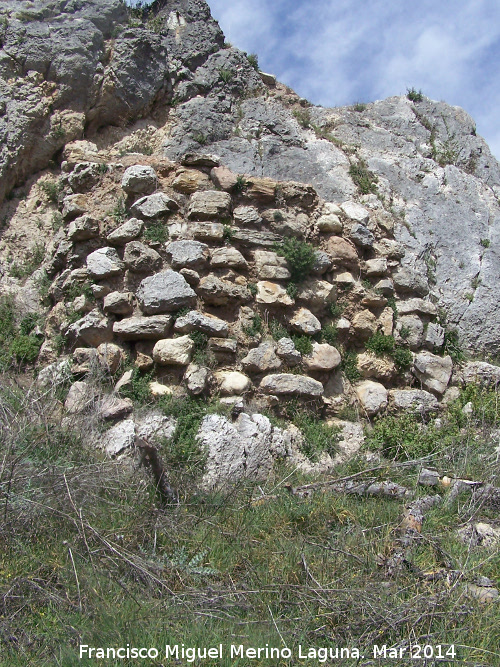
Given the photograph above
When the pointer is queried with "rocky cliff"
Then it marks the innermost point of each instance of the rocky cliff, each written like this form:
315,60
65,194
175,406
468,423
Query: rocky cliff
172,210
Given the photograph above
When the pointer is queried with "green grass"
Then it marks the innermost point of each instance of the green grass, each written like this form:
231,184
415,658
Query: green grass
255,328
18,342
277,329
349,366
364,179
303,344
89,554
31,262
156,232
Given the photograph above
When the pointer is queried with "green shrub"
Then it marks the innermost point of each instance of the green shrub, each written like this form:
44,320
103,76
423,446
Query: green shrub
252,288
255,328
278,216
138,389
380,344
119,212
300,257
52,190
226,75
318,436
292,290
485,243
254,61
156,233
349,366
329,334
303,117
31,263
335,310
452,346
359,107
403,437
241,184
363,178
414,95
403,358
303,344
277,330
26,348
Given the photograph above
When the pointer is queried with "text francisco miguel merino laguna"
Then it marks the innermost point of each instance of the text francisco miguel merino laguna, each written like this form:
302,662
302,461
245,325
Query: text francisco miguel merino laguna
190,654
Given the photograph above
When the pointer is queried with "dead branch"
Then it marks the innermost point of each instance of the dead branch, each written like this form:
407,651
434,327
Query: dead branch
150,454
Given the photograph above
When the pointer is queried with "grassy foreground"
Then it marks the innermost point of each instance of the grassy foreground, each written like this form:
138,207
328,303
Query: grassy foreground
89,555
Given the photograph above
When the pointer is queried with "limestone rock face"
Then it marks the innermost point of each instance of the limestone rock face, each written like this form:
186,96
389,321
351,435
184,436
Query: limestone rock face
481,373
173,351
434,372
141,259
233,383
218,292
228,257
305,322
154,206
165,292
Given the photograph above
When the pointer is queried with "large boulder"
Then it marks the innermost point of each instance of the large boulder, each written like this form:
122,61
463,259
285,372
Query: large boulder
196,321
372,397
324,357
187,254
173,351
245,448
434,372
165,292
417,401
261,359
138,258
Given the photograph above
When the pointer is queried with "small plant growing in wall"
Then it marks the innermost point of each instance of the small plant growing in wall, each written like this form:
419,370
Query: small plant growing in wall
363,178
414,95
253,61
300,257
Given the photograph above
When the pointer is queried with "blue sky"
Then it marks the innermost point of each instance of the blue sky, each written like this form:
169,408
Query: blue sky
337,52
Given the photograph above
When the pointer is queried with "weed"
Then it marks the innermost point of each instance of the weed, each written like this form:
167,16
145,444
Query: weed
52,190
138,389
303,117
56,221
403,437
226,75
303,344
329,334
475,282
318,436
156,232
300,257
32,262
404,332
292,290
180,560
252,288
359,107
469,297
335,310
18,344
277,330
349,366
119,212
485,243
200,138
363,178
391,302
200,341
156,24
452,346
414,95
278,216
254,61
403,358
380,344
255,328
241,185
